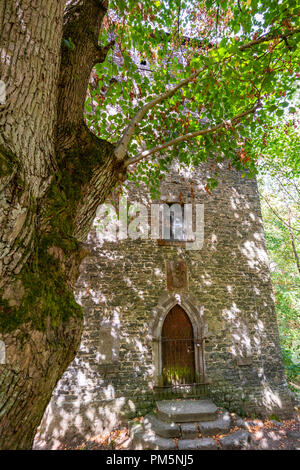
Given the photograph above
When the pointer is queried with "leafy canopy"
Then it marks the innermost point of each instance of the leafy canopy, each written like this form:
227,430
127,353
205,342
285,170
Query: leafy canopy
280,203
244,55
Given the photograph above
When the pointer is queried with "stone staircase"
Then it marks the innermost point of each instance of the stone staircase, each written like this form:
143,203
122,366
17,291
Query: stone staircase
189,425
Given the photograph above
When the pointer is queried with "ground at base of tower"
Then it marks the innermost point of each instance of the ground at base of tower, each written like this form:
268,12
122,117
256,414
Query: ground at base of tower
266,435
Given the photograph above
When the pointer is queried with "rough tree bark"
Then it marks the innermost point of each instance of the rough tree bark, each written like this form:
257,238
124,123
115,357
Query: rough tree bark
53,175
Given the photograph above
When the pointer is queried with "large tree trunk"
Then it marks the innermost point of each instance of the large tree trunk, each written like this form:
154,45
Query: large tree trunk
53,175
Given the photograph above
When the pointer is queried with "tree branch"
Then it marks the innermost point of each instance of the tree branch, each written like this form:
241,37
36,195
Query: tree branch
102,175
121,148
80,52
189,136
277,215
286,191
296,256
268,37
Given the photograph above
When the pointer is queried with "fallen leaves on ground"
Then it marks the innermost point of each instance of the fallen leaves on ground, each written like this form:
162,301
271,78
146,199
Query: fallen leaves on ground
267,434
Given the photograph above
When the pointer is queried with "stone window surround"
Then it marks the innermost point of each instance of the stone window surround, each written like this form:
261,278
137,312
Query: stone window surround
172,242
195,313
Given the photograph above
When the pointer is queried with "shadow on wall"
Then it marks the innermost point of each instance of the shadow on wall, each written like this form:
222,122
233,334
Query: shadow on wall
119,287
68,426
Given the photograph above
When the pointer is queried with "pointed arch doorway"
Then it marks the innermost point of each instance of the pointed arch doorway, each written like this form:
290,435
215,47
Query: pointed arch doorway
178,349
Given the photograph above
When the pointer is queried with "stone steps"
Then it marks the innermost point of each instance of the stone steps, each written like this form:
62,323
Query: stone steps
221,425
175,432
206,443
186,411
161,428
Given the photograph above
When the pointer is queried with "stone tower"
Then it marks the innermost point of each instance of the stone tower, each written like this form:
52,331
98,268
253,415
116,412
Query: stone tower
133,292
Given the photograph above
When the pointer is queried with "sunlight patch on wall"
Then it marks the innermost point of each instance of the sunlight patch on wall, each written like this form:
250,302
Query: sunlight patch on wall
59,424
241,343
254,254
206,279
270,398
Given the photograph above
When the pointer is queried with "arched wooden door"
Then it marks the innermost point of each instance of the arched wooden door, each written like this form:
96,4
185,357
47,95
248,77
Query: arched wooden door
178,356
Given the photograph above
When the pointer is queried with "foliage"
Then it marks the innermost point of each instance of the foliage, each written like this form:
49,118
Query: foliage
287,307
243,53
279,150
280,199
240,58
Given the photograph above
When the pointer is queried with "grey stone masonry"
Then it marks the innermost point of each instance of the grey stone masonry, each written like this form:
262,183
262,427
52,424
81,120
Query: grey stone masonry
189,430
237,440
146,440
220,433
185,411
197,444
128,286
221,425
163,429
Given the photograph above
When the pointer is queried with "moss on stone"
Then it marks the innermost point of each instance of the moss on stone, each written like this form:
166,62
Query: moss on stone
7,162
48,299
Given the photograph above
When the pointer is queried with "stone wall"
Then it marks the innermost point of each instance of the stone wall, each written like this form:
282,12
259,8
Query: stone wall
121,284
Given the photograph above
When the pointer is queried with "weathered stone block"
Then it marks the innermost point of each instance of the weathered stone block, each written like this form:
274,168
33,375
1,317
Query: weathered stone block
205,443
189,430
185,411
218,426
237,440
147,440
161,428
